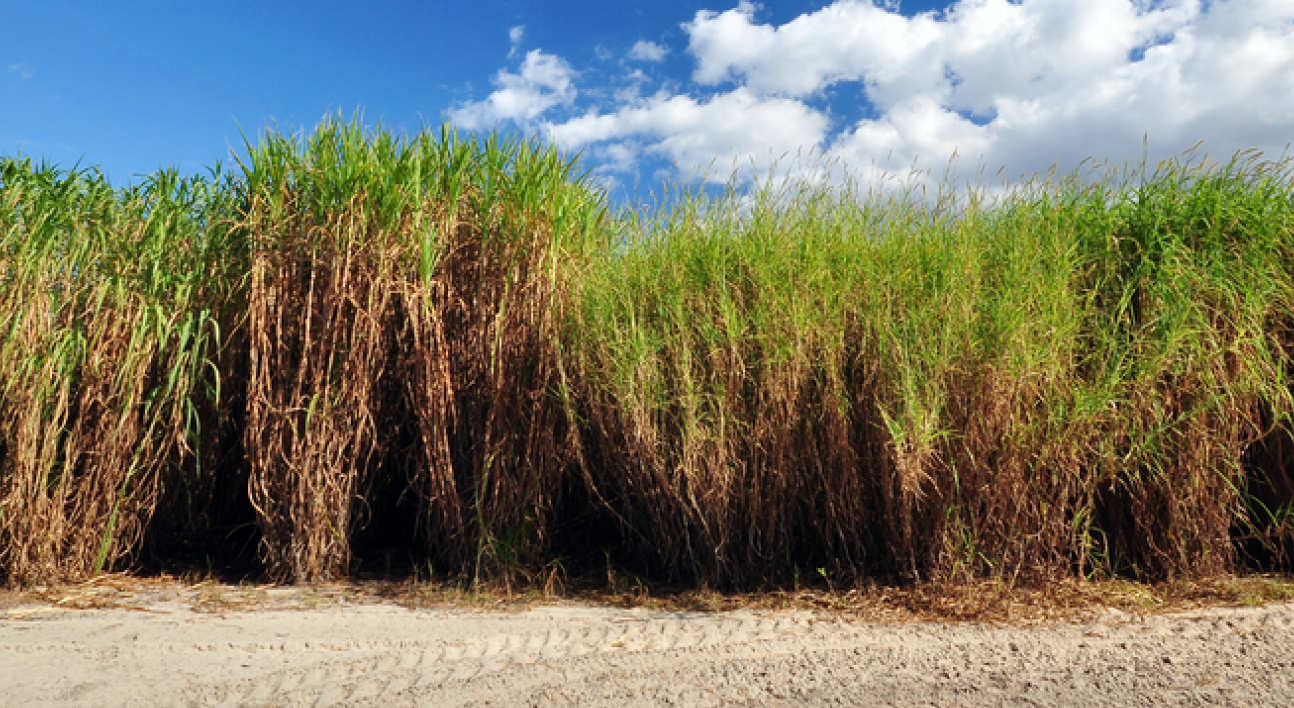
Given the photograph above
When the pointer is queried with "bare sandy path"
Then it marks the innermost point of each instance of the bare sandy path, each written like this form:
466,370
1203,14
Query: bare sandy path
165,653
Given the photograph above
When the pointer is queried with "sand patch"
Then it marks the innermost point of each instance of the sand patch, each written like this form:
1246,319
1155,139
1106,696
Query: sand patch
287,649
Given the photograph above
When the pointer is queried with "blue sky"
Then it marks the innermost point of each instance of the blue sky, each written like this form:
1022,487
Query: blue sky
660,90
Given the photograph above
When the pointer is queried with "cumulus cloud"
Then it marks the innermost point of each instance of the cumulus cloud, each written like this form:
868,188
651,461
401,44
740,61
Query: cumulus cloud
543,82
1023,84
644,50
704,138
1020,85
846,41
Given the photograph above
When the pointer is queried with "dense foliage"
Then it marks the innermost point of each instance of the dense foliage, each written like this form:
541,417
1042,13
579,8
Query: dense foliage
449,349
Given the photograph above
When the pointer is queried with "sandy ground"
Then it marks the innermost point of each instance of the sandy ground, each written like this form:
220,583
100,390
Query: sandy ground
171,651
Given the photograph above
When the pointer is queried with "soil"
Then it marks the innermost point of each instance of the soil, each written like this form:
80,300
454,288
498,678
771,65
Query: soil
291,647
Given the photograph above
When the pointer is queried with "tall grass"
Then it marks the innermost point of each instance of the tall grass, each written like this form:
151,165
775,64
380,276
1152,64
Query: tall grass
447,347
401,314
106,337
1064,382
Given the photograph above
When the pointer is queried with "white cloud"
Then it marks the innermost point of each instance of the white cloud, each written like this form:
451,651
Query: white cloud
1016,84
545,81
22,69
644,50
515,35
1023,84
844,41
704,139
631,91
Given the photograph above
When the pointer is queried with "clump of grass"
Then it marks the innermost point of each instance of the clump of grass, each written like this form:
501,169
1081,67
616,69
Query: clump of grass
1061,382
105,351
1191,290
400,311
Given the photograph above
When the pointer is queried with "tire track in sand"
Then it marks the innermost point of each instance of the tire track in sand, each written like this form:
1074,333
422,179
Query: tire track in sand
368,674
383,655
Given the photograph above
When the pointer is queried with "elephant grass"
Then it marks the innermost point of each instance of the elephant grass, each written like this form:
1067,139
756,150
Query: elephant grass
452,349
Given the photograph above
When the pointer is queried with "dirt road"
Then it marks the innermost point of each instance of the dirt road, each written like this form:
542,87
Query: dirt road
166,653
